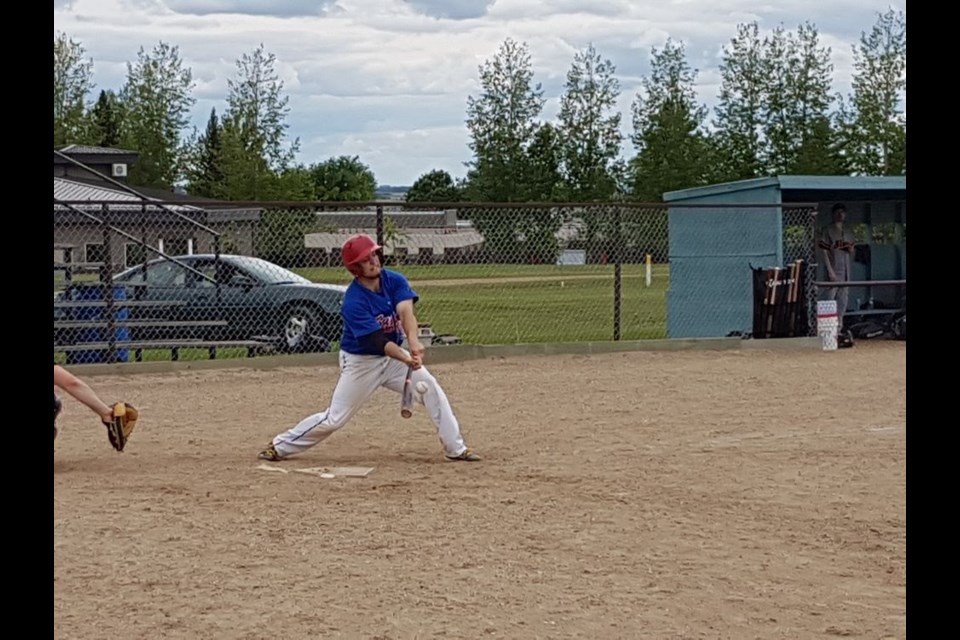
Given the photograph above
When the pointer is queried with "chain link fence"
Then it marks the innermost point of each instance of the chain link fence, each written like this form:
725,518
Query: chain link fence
799,246
176,278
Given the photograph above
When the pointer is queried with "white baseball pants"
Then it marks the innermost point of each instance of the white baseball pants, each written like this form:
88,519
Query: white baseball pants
360,377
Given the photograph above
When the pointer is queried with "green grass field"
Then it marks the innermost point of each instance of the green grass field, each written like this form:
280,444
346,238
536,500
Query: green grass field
60,282
578,310
509,304
163,355
338,275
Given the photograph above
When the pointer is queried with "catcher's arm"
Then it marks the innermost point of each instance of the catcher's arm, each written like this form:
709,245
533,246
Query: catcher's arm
81,391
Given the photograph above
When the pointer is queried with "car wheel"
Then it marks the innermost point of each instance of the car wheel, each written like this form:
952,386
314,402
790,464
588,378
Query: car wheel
301,331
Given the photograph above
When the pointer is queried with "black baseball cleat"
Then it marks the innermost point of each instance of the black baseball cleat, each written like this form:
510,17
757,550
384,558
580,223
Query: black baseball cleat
845,339
468,456
270,453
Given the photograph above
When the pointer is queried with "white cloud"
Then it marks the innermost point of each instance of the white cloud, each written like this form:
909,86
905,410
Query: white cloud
454,9
289,8
388,80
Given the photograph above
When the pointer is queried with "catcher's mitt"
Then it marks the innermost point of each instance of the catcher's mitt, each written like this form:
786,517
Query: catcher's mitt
122,424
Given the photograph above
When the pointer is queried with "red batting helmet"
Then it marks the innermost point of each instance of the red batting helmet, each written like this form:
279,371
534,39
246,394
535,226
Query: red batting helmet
355,250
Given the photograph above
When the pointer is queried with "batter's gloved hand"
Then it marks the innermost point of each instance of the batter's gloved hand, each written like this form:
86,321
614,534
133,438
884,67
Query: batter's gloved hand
121,424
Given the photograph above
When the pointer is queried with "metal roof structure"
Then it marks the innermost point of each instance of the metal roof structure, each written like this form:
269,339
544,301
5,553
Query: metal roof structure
438,240
77,149
84,195
68,190
407,219
795,184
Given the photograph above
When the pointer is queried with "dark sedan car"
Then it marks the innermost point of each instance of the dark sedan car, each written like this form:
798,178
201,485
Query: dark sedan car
232,298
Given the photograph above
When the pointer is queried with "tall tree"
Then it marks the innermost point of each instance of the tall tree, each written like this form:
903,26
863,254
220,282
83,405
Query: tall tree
106,120
72,81
535,230
157,100
673,151
590,127
246,173
541,175
433,186
516,158
820,152
798,103
205,176
502,121
295,183
343,179
254,128
876,134
740,107
280,232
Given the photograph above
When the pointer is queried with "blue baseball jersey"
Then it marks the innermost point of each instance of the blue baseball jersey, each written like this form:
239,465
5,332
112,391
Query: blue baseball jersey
365,311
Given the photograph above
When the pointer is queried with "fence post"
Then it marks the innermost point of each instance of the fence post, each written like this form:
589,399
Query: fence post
67,261
146,256
106,281
143,238
380,225
217,270
617,272
813,267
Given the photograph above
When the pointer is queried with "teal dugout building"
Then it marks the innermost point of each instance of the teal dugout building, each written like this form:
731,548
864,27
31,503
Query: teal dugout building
718,232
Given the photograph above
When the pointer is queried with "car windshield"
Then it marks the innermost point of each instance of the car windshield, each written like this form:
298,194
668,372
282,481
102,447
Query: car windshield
267,272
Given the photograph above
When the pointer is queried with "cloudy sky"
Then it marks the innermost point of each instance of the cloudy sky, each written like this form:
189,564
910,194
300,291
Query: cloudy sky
388,80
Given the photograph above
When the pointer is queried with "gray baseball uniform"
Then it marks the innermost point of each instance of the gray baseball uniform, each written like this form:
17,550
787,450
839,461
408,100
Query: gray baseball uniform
837,242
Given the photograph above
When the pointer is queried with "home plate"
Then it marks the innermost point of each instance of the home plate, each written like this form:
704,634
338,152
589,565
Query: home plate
325,472
875,429
266,467
338,472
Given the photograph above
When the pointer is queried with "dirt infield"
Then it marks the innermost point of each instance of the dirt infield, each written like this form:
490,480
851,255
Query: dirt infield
703,494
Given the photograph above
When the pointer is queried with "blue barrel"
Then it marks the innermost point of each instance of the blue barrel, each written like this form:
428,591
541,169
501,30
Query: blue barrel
94,292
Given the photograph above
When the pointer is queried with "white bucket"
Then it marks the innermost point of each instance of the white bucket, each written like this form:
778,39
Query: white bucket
828,339
828,324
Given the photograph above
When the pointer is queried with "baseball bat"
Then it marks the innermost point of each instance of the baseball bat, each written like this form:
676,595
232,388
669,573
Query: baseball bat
794,270
765,309
774,281
796,290
406,401
794,293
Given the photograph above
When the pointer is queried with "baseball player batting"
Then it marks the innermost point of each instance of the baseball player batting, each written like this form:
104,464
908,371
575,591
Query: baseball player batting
377,314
